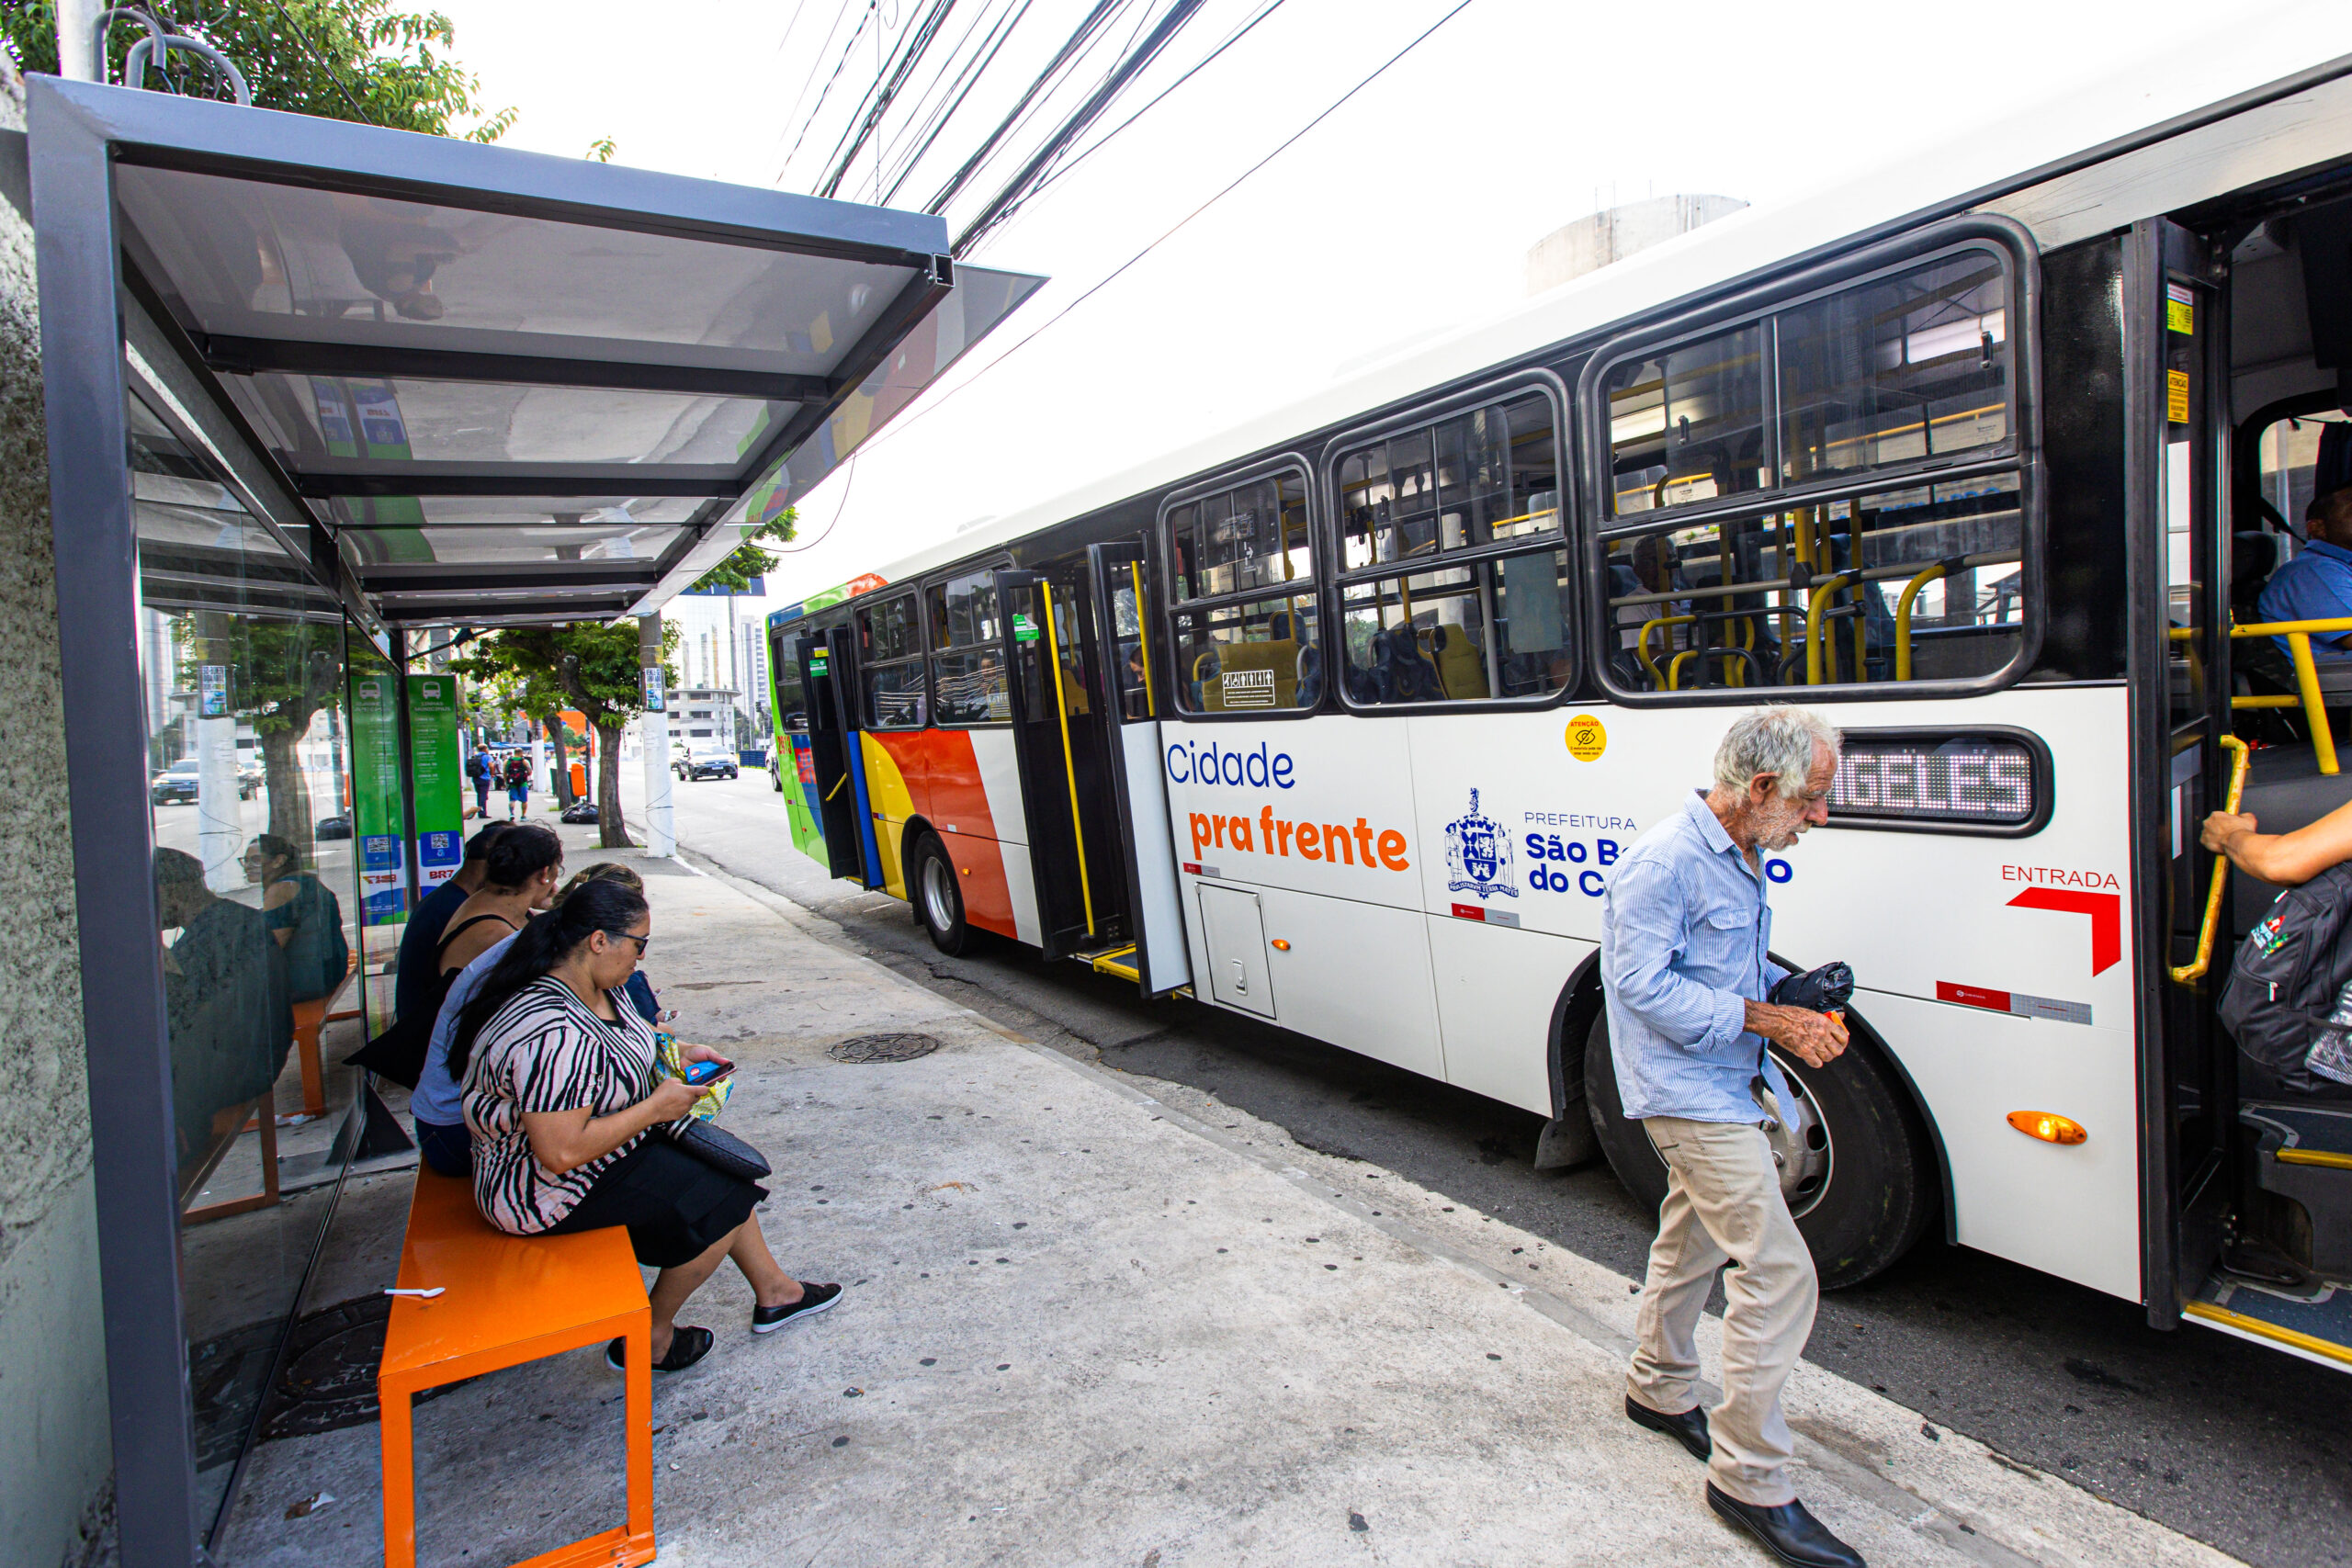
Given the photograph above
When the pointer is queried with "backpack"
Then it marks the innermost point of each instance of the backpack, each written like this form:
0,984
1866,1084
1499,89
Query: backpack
2287,971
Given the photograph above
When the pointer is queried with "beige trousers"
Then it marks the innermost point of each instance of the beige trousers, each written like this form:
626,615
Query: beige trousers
1723,1201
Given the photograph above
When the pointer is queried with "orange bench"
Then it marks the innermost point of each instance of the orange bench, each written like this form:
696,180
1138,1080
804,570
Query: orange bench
310,1017
506,1299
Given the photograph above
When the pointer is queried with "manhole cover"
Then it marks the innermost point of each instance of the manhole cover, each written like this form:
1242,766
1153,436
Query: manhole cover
882,1048
330,1378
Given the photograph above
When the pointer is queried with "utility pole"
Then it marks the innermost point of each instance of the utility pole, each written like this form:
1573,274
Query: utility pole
734,679
77,40
654,734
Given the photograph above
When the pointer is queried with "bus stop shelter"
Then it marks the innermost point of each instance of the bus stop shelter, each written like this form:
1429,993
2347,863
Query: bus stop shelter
313,388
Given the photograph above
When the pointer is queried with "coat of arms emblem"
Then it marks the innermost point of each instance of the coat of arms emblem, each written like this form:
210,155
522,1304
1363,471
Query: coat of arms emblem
1477,855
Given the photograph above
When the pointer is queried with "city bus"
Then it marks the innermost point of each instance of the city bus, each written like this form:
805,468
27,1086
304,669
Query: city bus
1340,719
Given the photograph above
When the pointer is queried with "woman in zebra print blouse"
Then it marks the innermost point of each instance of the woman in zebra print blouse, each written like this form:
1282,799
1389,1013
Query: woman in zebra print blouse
562,1096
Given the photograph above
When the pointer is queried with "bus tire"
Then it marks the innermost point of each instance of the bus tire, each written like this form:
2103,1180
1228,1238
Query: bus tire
1880,1190
937,896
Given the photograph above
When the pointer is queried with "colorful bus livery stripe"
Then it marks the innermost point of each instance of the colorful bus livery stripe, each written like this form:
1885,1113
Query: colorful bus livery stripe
937,777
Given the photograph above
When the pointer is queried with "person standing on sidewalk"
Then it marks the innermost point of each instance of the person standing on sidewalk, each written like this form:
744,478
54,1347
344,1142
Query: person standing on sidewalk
483,773
1684,934
518,787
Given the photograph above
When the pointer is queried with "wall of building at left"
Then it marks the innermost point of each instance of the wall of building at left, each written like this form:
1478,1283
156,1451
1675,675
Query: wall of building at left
55,1458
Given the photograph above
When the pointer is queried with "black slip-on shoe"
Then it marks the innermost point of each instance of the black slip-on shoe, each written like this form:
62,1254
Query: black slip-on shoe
814,1298
1690,1428
1788,1532
687,1346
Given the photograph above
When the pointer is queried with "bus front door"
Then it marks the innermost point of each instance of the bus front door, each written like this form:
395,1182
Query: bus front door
2180,679
1060,744
1145,847
828,678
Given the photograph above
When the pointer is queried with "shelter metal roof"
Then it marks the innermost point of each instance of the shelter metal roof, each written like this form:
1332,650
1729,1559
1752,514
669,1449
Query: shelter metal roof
504,387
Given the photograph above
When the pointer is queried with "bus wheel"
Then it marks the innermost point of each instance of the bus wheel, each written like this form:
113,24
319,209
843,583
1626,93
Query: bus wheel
1856,1171
939,901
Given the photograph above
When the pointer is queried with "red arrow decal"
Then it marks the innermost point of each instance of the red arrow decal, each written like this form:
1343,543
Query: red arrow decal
2106,910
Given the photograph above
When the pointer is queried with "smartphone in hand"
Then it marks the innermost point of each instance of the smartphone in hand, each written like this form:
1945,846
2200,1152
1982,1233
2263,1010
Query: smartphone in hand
702,1074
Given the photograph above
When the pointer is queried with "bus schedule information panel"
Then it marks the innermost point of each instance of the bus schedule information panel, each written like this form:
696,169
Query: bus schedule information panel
438,784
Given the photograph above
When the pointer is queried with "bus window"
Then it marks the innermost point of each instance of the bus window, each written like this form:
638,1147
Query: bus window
889,664
791,693
1918,583
1904,367
968,652
1899,554
1687,423
1466,482
1252,537
1262,654
1451,496
1244,624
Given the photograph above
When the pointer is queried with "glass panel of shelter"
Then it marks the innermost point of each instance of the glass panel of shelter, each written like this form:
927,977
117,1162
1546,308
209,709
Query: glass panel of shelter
257,899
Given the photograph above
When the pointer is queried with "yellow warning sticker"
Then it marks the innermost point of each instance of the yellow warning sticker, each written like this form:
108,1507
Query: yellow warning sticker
2180,309
2176,396
1586,739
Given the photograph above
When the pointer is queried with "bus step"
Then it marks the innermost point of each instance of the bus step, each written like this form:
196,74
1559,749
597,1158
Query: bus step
2304,1155
1117,961
2314,1323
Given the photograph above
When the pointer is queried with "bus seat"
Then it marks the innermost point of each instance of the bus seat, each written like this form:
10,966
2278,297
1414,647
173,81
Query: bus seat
2255,553
1210,670
1461,664
1310,676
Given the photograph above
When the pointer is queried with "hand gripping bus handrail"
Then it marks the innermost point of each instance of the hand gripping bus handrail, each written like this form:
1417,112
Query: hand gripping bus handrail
2189,974
2309,698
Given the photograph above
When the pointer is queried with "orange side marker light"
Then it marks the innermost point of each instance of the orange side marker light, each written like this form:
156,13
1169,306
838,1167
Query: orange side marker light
1281,945
2048,1125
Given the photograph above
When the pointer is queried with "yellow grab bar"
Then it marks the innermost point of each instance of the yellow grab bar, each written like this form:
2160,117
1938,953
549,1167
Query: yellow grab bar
1143,635
1903,619
1820,596
1069,759
1641,643
2299,653
2189,974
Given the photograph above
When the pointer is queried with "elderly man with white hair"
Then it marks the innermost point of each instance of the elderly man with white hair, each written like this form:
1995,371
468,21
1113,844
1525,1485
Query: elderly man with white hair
1685,930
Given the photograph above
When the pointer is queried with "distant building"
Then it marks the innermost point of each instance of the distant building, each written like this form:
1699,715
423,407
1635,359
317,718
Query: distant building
703,715
1594,241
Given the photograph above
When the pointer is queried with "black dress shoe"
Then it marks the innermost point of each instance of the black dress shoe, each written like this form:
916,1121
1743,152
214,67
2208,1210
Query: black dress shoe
1690,1428
1788,1532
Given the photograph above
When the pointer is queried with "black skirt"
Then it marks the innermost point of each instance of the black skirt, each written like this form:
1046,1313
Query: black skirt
676,1207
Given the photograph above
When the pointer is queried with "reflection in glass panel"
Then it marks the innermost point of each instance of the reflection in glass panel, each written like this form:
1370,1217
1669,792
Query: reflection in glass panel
967,658
1494,629
1252,536
309,420
275,261
1917,585
1259,655
243,659
1910,366
1475,479
490,546
1687,424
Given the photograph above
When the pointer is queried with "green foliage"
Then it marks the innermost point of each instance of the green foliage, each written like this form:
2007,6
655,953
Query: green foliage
280,673
586,665
603,149
357,60
747,560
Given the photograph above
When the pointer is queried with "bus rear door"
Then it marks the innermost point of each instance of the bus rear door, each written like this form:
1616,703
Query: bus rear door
828,673
1160,961
1060,742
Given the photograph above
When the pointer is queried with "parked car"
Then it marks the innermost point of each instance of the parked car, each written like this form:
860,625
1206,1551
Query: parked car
179,783
708,762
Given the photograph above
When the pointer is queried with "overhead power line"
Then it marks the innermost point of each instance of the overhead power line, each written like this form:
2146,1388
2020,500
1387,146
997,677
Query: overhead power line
1023,184
878,102
814,108
928,131
899,427
1070,50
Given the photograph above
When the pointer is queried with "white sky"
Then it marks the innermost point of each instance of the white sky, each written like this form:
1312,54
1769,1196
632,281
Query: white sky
1409,211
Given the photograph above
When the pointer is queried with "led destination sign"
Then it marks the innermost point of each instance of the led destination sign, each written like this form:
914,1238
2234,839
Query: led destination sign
1988,781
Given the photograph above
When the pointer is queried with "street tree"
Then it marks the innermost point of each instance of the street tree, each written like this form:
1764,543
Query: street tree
747,561
356,59
593,668
280,676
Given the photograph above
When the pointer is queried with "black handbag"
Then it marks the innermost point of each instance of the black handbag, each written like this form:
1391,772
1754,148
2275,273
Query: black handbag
720,1150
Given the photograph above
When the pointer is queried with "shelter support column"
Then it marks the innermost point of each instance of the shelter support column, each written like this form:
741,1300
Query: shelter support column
653,736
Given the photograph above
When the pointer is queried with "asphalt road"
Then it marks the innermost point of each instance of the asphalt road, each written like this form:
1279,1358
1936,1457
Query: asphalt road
2228,1442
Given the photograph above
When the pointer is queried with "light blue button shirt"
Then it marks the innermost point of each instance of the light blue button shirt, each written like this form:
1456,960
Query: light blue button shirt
438,1099
2315,586
1685,940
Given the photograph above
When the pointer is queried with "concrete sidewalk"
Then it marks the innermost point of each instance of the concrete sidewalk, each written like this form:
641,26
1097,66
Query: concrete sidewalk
1094,1320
